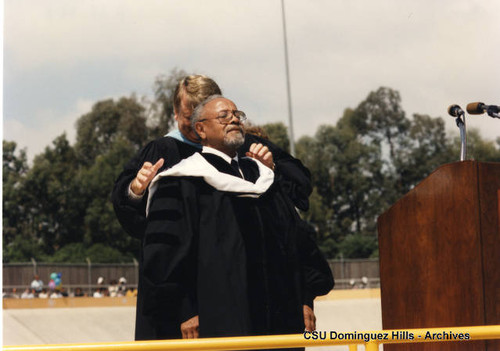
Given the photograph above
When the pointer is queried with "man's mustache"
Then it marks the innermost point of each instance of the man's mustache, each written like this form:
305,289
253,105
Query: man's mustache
240,129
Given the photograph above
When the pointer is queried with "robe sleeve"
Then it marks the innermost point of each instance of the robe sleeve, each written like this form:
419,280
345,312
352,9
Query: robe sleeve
131,213
170,271
318,277
293,176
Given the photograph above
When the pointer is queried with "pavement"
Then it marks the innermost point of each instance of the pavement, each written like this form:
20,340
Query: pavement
37,326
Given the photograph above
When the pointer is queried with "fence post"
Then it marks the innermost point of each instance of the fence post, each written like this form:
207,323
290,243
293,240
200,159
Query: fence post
342,273
34,266
136,268
89,265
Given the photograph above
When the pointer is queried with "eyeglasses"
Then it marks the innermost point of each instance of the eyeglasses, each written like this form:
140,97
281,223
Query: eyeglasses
226,116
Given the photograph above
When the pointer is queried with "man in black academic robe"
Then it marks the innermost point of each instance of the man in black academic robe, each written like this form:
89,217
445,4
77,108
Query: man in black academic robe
290,173
224,244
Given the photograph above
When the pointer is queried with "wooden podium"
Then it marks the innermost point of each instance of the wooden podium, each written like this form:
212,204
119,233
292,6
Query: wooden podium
440,255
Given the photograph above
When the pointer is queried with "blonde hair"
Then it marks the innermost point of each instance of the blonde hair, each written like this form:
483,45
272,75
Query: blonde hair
194,89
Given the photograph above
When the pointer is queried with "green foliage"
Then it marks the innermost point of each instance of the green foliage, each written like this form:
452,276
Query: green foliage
277,132
97,253
73,252
21,249
368,160
109,121
52,196
358,246
426,149
329,247
14,170
480,149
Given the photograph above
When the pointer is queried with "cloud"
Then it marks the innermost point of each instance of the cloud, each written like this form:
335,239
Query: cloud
34,138
434,53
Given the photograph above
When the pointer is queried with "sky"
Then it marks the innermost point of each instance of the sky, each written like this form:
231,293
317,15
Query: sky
61,57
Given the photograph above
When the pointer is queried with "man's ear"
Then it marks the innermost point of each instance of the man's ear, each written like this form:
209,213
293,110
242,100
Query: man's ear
200,130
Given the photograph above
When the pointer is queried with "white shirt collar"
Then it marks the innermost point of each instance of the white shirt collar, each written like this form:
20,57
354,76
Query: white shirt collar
211,150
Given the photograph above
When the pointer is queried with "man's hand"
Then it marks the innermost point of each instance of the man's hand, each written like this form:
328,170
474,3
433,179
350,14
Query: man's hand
309,318
145,176
261,153
190,329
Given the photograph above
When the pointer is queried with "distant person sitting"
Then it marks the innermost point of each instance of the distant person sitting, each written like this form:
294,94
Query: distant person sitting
131,292
113,288
28,294
122,288
11,295
56,294
79,292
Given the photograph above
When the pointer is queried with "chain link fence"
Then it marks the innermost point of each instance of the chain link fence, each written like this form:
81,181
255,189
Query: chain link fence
348,273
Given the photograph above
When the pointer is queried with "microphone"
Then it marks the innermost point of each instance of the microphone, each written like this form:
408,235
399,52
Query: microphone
455,111
478,108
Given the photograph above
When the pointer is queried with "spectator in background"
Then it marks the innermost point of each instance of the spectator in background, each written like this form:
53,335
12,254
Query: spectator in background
131,292
79,292
28,294
113,288
43,294
37,284
11,295
100,281
56,294
122,288
101,292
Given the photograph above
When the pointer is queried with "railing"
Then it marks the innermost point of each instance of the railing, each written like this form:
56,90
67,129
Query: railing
370,339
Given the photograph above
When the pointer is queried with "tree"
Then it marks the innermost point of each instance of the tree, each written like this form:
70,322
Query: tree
100,223
345,172
14,170
52,195
479,149
78,253
18,245
108,121
358,246
381,118
427,148
278,134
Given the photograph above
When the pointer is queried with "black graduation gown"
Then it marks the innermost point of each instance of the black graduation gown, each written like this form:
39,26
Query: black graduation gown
231,260
290,174
132,213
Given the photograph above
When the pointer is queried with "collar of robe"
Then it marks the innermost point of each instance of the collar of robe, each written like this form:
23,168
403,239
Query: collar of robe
197,166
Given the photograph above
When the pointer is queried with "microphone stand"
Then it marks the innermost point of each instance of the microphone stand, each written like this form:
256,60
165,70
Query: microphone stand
493,112
463,137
